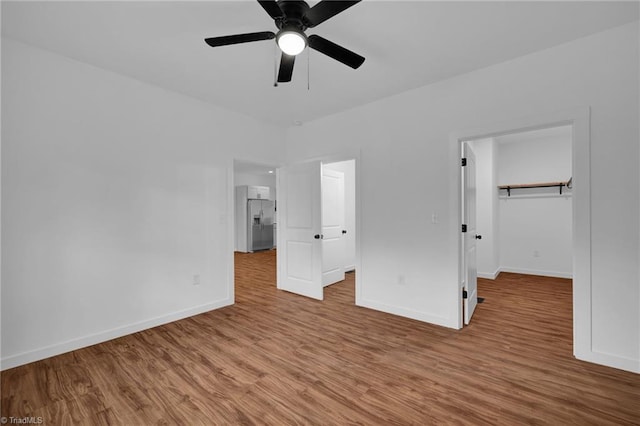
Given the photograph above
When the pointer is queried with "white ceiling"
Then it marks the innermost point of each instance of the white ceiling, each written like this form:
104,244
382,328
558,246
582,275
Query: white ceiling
406,45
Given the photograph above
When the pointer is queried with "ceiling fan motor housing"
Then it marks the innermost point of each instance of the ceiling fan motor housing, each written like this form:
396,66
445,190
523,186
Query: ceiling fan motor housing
294,12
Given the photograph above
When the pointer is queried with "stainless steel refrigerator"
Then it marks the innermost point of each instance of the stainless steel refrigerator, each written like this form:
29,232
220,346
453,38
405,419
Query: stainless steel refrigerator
260,226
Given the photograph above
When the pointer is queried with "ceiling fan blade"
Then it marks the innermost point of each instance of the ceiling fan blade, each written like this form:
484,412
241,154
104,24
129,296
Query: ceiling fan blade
326,9
286,68
239,38
272,8
334,51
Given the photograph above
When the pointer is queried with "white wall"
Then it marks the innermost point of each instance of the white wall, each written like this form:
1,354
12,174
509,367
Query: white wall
114,194
1,173
104,212
487,214
349,170
406,166
536,223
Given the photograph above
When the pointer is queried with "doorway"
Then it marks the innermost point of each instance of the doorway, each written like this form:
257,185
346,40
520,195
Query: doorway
578,119
522,202
254,182
317,225
336,262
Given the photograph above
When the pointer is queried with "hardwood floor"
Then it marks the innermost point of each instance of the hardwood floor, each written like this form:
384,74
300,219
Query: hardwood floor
277,358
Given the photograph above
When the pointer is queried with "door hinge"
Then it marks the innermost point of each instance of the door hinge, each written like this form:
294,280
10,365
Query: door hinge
464,228
464,294
463,162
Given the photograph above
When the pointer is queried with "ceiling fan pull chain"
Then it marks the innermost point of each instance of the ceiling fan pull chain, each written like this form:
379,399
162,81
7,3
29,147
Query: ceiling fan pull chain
308,69
275,65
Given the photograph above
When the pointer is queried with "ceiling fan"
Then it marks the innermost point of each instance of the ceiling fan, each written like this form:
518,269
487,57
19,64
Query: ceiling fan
292,18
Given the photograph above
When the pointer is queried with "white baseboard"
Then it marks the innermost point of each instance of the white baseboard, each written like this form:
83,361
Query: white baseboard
407,313
543,273
609,360
82,342
489,275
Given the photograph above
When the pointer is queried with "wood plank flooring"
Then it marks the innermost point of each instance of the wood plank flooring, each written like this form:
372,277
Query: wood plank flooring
276,358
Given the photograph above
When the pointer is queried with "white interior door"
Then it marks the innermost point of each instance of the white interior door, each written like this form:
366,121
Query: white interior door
469,237
333,218
299,254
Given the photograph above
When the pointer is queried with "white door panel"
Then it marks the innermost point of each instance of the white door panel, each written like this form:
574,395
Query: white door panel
469,218
333,218
299,254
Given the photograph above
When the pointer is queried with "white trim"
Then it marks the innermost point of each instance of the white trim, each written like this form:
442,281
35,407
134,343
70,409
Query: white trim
615,361
489,275
538,272
231,214
494,275
581,218
0,207
408,313
579,118
92,339
231,231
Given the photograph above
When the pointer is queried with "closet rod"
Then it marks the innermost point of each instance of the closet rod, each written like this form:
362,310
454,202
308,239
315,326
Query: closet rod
560,185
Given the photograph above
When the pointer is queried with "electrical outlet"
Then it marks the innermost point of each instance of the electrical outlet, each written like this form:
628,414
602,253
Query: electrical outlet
536,253
401,280
196,279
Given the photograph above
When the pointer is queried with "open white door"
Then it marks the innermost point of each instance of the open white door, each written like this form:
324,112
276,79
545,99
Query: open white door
469,237
333,229
299,254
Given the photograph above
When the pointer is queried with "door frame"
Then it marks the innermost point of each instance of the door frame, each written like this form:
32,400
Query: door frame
230,220
349,154
467,152
579,119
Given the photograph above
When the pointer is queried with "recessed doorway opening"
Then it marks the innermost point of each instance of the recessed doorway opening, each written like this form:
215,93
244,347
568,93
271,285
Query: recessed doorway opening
324,204
578,184
521,198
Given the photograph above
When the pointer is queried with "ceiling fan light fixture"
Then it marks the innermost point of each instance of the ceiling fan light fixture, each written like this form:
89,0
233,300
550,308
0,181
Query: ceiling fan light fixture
292,42
292,18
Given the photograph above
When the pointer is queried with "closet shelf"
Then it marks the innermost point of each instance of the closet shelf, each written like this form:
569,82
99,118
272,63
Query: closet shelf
560,185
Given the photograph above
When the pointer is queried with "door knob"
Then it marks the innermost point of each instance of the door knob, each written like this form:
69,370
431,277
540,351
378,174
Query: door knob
317,236
478,237
344,231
